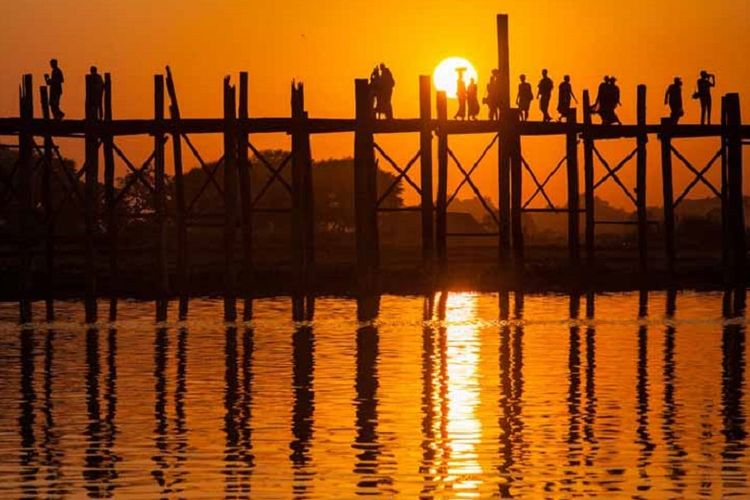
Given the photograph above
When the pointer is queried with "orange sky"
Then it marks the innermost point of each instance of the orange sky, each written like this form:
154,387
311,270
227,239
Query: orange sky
328,44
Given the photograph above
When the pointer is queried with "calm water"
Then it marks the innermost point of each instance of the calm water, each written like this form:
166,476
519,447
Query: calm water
625,394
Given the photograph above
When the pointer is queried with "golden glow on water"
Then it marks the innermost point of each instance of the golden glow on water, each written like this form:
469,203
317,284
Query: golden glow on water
458,395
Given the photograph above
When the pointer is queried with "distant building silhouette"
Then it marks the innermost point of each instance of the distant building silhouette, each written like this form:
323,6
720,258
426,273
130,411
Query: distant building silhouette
673,98
524,98
703,94
544,95
55,81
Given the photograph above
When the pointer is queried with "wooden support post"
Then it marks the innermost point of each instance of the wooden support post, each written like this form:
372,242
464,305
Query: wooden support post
642,140
666,174
571,155
516,189
504,151
725,236
180,206
160,202
735,206
109,199
47,200
441,214
243,169
230,202
425,158
25,192
91,200
365,190
302,203
588,175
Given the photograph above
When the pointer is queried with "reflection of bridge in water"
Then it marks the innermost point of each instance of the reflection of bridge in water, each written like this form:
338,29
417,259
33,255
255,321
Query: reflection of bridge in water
28,199
450,427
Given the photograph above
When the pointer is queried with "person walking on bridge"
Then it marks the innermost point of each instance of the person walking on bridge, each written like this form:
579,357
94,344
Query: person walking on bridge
524,98
564,97
673,98
544,94
54,82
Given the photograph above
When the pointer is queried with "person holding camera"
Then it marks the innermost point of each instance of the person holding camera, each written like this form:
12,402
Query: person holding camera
55,82
703,94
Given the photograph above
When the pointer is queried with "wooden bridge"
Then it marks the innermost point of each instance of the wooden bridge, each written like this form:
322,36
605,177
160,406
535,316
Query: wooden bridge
25,192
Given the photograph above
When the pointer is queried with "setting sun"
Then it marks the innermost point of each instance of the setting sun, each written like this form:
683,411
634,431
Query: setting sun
445,75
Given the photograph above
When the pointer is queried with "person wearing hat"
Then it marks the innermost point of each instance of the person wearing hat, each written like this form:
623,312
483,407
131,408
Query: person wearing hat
673,98
705,82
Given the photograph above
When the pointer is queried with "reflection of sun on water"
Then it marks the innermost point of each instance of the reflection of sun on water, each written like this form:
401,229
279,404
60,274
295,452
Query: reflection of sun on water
464,428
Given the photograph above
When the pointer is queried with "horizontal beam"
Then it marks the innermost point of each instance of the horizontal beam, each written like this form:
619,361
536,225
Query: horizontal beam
77,128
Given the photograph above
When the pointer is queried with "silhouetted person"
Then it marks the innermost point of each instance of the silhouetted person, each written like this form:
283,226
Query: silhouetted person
461,94
493,95
600,94
472,99
673,98
55,81
544,94
564,97
375,91
703,93
386,84
607,99
94,101
524,98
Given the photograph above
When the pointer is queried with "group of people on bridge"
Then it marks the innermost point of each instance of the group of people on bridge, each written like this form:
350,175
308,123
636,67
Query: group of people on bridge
94,98
673,97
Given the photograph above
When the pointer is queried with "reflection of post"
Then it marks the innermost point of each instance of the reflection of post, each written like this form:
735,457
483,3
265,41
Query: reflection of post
53,454
366,441
231,429
245,446
181,445
304,408
161,344
669,413
732,390
28,454
589,419
642,404
429,447
574,383
96,473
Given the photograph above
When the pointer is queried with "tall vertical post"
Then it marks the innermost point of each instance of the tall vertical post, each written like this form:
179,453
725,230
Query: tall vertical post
49,240
441,214
588,179
91,198
425,158
160,202
736,210
180,206
243,169
365,193
302,217
571,155
230,202
667,187
504,151
641,140
516,189
26,165
725,237
109,197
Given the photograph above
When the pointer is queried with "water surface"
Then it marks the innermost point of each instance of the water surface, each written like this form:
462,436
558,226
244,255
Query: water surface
457,395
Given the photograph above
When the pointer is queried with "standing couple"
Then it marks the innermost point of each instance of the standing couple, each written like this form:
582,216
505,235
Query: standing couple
381,91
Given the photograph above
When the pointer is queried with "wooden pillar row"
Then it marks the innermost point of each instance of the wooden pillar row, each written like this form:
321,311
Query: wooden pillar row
109,200
230,202
641,210
91,200
571,155
735,202
25,192
425,158
668,193
506,143
183,277
441,215
160,203
588,174
244,172
365,190
302,205
47,201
